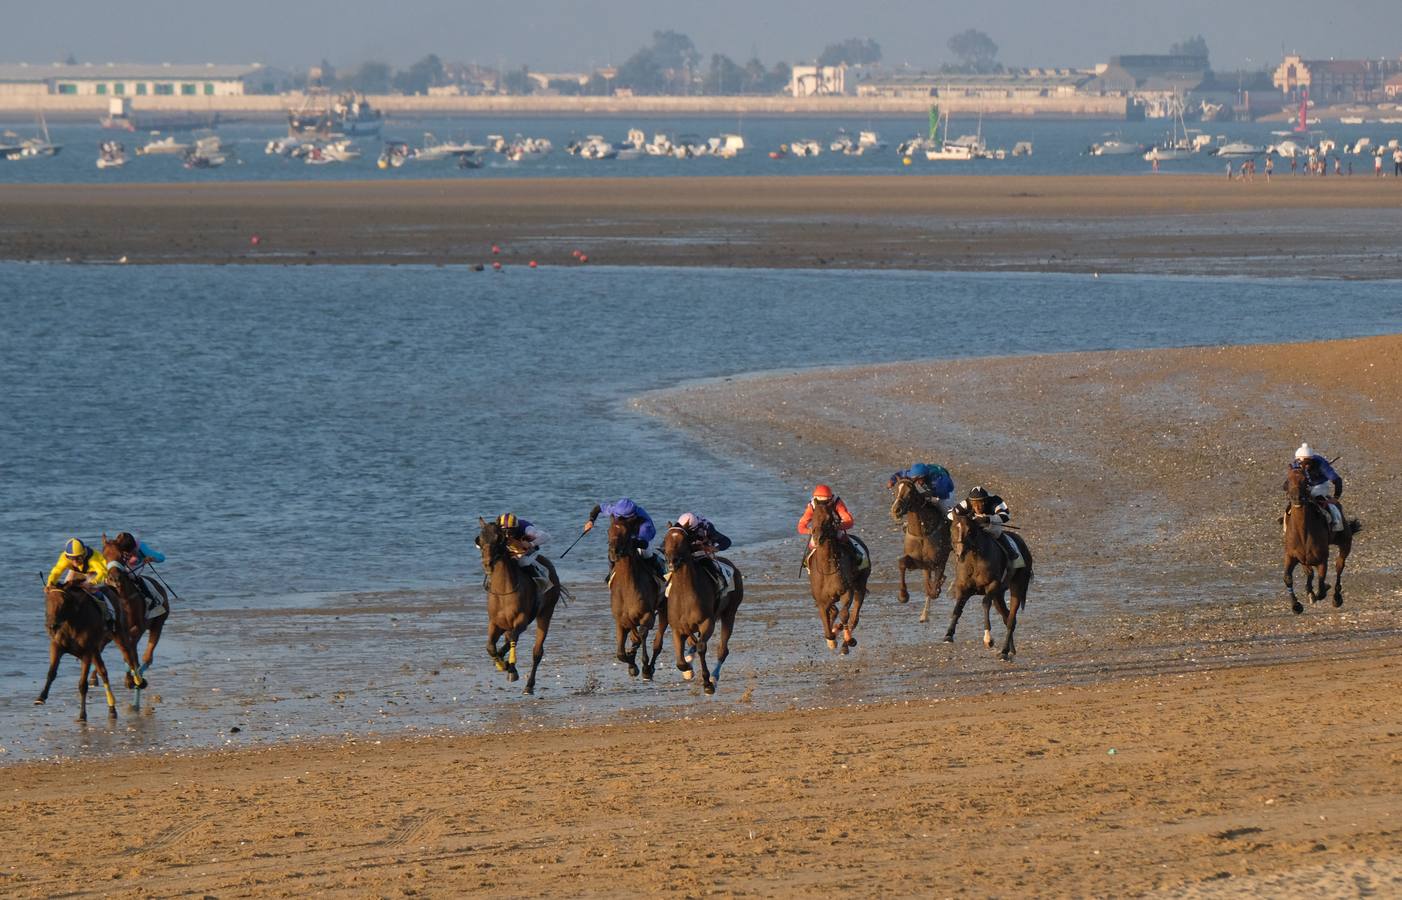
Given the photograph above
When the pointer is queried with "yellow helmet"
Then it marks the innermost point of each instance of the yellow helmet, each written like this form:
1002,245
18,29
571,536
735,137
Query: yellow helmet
506,520
76,549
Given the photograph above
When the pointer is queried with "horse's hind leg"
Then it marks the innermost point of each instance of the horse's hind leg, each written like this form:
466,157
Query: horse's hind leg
542,628
650,665
707,684
83,690
829,616
54,656
153,637
1295,604
106,686
858,598
1014,604
987,621
1321,574
1339,574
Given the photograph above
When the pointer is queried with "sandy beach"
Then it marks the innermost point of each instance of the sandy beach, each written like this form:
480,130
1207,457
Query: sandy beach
1343,227
1201,740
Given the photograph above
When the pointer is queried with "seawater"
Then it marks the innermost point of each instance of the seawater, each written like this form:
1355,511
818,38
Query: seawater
295,437
1059,149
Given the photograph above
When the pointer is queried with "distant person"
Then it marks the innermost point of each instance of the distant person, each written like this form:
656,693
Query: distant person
1294,165
1229,170
1377,165
1339,166
1156,165
1270,167
1397,161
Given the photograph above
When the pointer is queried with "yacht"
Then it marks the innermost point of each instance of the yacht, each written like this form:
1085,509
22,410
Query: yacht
1176,145
166,144
1237,149
1116,147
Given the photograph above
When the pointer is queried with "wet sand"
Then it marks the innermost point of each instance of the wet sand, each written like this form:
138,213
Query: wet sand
1255,751
1189,224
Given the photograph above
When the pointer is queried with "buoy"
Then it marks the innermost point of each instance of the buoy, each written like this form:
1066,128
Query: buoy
123,260
496,266
583,258
905,160
255,240
495,249
532,264
576,254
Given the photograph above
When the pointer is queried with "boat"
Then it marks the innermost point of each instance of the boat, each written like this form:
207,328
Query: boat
1287,149
690,146
111,155
965,147
1350,120
843,143
781,153
394,155
320,114
207,153
121,117
1022,148
868,142
660,145
805,147
727,146
1240,149
632,148
341,151
1176,145
520,148
1391,121
434,149
166,144
286,146
1115,147
39,145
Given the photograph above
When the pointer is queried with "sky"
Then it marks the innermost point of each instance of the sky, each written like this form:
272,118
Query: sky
561,35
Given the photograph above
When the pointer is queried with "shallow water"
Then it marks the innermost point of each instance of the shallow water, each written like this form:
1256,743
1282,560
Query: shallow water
1059,149
309,443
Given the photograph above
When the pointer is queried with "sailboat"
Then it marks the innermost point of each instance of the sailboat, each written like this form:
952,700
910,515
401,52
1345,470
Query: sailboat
44,146
940,147
1177,146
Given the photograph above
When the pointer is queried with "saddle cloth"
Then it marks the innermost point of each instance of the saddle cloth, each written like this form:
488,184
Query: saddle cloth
155,605
1015,557
863,553
721,572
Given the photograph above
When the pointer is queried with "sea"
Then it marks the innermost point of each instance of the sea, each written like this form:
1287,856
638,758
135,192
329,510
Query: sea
312,448
1059,148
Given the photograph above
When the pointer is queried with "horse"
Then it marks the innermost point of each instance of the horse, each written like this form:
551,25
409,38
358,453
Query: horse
636,601
133,592
982,568
1307,541
514,600
927,543
833,576
78,628
694,606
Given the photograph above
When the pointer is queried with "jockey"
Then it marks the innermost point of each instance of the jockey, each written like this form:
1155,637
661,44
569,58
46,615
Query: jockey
990,511
135,554
933,480
703,534
640,526
524,540
823,496
80,567
1326,485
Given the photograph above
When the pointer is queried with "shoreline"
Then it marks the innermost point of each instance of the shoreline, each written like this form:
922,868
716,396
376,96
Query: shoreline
1178,224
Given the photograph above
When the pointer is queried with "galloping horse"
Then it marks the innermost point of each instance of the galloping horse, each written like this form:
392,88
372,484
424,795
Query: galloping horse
1307,541
77,627
927,542
833,576
983,568
514,600
133,601
636,601
694,605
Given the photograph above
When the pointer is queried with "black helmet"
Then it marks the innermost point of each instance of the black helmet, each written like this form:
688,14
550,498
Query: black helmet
978,493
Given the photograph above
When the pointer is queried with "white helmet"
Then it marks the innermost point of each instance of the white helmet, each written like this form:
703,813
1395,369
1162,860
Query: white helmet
687,520
1305,452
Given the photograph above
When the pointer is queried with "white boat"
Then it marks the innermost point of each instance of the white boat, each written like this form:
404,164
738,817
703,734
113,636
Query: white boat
1391,121
394,155
805,147
1177,145
41,144
1241,149
1361,147
727,146
660,145
520,148
166,144
1350,120
111,155
434,149
964,147
1287,149
843,143
869,142
915,146
341,151
949,152
1022,148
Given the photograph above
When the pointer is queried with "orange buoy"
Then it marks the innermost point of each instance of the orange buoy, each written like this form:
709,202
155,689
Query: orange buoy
497,266
583,258
255,240
532,264
576,254
495,249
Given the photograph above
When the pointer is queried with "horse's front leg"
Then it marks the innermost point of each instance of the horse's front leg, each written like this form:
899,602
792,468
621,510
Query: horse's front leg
958,611
707,684
153,637
843,619
828,614
901,564
679,641
83,690
650,665
1321,574
987,622
106,686
54,656
1295,604
621,654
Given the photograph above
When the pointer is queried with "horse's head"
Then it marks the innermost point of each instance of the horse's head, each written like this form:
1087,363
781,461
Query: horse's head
961,529
824,523
491,540
905,492
676,546
620,538
110,551
1297,485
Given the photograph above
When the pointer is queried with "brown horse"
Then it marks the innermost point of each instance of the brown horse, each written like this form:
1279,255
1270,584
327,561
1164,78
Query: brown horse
983,568
1307,541
636,601
134,595
834,576
78,628
695,606
514,601
927,542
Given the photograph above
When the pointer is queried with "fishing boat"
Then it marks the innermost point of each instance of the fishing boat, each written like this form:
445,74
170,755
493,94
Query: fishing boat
321,114
207,153
111,155
434,149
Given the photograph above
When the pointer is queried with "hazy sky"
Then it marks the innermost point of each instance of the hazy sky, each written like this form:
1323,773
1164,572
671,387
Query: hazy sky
574,34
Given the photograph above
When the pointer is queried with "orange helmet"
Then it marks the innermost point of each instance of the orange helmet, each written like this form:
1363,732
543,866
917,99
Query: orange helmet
822,493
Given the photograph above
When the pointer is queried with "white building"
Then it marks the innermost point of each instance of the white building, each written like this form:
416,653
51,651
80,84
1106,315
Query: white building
120,80
816,81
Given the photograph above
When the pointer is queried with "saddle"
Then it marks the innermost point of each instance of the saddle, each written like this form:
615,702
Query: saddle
1010,550
721,573
855,547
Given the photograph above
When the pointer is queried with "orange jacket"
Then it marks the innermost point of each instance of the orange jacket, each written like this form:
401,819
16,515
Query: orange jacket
844,518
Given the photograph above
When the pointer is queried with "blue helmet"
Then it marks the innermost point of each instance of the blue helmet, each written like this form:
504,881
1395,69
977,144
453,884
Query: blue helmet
919,470
625,508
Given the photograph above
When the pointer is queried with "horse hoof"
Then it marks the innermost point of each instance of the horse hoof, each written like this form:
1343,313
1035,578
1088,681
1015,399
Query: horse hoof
904,598
1007,657
501,666
647,674
851,641
39,701
949,638
832,644
843,651
687,675
111,713
633,671
512,676
1338,601
1297,607
924,618
710,688
530,689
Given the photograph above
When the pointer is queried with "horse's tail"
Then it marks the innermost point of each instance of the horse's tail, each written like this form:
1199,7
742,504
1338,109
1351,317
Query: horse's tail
1354,526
